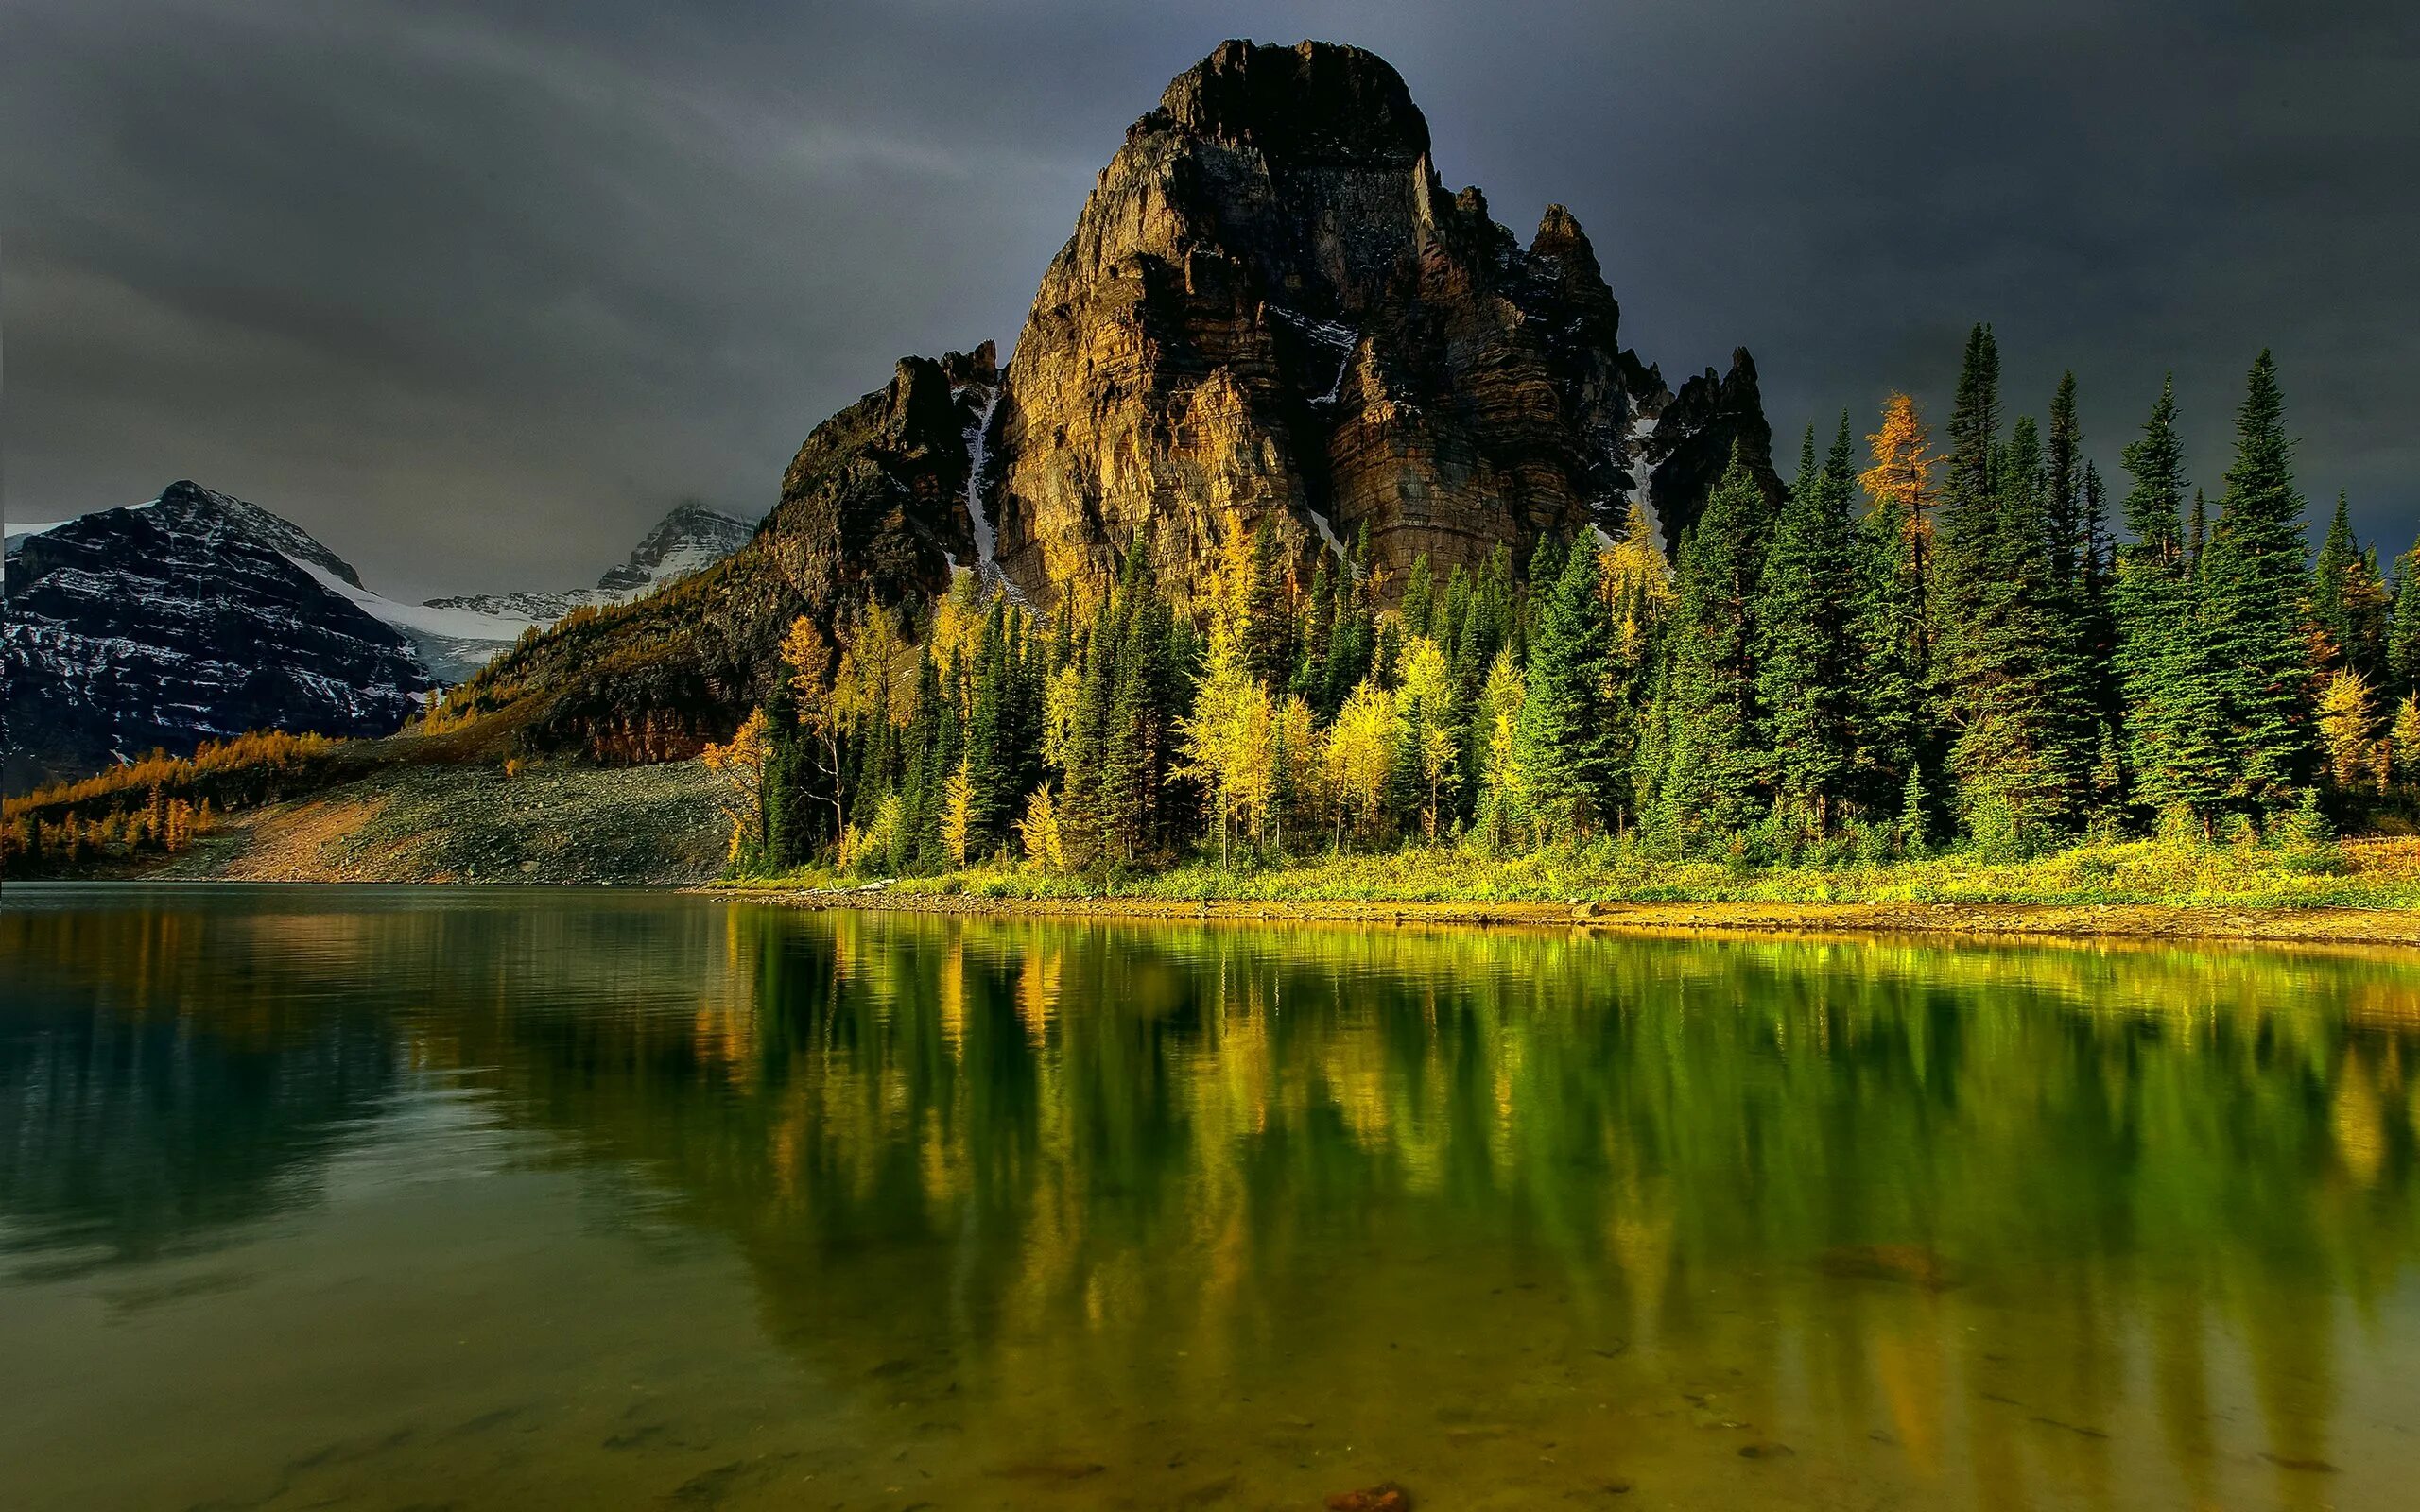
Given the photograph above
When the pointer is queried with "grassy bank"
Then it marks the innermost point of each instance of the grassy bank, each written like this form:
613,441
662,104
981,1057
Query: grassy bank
2357,891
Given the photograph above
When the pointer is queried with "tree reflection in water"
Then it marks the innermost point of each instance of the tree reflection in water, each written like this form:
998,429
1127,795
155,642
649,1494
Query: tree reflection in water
1992,1226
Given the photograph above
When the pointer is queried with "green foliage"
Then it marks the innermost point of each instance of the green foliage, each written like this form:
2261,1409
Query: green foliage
1718,771
2253,579
1976,672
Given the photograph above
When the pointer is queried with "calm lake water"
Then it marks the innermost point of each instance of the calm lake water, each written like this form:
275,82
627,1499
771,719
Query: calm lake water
375,1198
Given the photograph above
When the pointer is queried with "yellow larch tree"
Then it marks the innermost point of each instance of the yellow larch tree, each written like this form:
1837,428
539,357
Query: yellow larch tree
740,762
1360,747
1425,698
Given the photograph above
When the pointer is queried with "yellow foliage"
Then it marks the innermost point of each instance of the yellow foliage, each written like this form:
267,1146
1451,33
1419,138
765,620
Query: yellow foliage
957,797
2403,741
740,762
860,844
1043,846
2345,728
1901,478
1227,738
1426,699
1360,747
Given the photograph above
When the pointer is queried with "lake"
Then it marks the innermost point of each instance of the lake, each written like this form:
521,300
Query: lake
393,1198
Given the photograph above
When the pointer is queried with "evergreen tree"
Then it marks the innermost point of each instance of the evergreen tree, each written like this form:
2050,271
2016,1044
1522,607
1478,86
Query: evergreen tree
2403,633
2160,653
1268,633
1419,597
2253,579
2074,685
1719,763
1565,741
1806,651
1891,610
2331,575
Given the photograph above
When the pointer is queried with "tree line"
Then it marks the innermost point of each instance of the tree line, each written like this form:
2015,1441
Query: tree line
1912,647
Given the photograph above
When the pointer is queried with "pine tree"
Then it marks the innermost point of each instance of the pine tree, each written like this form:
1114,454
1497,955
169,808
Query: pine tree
1971,498
2074,684
2003,697
2331,575
2349,603
1268,640
2253,578
2160,655
2402,632
1719,764
1565,746
1892,607
1806,655
1419,597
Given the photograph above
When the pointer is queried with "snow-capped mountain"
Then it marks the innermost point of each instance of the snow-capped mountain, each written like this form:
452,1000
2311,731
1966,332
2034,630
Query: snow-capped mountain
189,617
196,615
689,540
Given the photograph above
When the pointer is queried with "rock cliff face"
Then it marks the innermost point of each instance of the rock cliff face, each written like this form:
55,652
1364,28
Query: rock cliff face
1272,308
1688,447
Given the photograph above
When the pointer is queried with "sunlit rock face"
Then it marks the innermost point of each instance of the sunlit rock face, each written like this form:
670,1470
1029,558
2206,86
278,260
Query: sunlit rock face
1272,309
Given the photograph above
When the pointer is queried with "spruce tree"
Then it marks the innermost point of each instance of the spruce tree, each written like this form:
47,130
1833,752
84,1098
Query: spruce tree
2403,630
2331,576
1719,764
1892,631
1269,636
1418,597
2253,579
1565,739
1806,655
2160,654
2073,683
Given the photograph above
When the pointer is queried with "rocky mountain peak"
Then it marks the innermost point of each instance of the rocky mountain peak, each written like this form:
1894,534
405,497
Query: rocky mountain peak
1316,104
690,538
187,507
1271,311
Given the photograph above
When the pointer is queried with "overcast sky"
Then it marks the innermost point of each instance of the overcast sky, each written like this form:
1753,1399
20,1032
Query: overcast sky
475,292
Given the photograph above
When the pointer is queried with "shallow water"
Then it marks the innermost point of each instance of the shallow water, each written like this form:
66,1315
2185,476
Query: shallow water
393,1198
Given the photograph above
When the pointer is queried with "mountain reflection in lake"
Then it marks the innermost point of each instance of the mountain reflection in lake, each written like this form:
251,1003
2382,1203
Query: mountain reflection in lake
580,1199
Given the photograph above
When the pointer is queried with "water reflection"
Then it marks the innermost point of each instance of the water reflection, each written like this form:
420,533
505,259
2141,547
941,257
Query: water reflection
1142,1213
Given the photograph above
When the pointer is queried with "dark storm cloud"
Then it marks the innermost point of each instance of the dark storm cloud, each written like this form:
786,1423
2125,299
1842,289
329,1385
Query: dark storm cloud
475,291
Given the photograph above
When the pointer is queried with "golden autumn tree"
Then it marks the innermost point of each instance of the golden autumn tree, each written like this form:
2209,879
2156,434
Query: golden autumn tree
1425,699
1046,846
1227,742
2347,735
1900,483
740,762
1360,748
2403,741
820,703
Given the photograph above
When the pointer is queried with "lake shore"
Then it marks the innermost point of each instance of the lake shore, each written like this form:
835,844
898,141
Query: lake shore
2138,921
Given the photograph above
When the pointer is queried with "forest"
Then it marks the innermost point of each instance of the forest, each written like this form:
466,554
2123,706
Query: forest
1923,647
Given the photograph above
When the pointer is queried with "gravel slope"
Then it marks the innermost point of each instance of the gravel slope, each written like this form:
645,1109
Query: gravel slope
555,822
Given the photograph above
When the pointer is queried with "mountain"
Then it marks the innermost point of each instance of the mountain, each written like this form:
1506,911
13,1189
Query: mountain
1272,309
691,537
190,617
689,540
197,615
